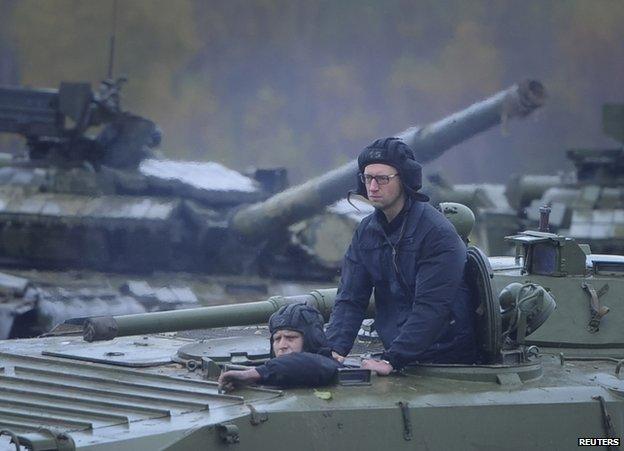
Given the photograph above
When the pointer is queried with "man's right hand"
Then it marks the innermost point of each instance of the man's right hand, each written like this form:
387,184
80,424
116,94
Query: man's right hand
338,357
229,380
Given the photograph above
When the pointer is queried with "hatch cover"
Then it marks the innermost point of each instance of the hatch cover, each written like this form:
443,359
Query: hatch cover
237,350
124,351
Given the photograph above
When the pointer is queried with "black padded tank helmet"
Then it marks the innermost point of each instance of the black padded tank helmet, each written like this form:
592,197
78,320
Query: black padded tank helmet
396,153
301,318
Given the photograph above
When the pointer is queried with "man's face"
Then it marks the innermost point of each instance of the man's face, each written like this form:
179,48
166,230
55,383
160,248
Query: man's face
287,341
384,197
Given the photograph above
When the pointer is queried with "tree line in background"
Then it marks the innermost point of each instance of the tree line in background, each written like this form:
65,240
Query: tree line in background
307,83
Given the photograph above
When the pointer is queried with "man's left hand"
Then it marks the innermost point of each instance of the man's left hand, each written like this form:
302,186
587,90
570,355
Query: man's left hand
379,367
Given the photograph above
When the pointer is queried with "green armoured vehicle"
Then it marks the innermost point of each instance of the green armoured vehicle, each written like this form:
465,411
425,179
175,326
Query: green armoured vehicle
548,378
170,234
587,203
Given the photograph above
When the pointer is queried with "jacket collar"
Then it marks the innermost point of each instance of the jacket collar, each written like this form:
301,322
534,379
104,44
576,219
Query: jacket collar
411,212
398,219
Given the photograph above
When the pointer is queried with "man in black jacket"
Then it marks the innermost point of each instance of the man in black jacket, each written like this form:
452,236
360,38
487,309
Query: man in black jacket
298,343
414,259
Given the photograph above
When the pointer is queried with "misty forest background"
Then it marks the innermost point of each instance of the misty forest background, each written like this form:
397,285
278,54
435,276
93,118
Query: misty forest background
306,84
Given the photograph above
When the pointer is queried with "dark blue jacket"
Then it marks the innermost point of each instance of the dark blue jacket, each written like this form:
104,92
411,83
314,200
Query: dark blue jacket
423,307
299,369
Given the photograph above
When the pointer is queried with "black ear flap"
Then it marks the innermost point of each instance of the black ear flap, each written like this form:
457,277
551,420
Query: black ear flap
411,174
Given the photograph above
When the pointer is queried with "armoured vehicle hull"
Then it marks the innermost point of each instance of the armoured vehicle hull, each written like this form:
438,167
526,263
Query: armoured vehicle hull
99,407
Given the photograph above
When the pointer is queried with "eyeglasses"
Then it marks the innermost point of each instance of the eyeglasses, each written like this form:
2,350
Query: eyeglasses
380,179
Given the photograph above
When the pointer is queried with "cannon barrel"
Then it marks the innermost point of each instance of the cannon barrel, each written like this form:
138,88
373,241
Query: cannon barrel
429,142
522,189
109,327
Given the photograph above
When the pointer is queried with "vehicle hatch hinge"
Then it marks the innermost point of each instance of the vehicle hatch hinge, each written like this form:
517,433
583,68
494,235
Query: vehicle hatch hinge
596,310
42,440
228,433
256,417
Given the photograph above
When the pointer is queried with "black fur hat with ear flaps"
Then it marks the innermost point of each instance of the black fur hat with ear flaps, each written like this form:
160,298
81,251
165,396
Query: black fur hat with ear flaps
393,152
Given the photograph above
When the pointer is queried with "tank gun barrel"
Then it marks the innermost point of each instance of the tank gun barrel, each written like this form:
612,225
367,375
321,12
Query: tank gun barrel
109,327
428,143
522,189
431,141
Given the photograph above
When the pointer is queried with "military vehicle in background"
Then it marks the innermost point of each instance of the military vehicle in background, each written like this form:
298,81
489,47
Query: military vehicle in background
587,203
104,203
547,377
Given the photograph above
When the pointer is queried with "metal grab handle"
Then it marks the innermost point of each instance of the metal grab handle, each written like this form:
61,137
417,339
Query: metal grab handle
596,310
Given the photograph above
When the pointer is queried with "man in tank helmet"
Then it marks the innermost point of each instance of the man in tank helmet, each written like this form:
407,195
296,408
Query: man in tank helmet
299,351
414,259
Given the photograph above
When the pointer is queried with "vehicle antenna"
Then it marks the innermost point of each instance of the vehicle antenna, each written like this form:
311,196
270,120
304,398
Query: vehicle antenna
111,55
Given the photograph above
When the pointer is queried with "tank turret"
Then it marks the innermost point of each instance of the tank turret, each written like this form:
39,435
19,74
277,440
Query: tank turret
103,203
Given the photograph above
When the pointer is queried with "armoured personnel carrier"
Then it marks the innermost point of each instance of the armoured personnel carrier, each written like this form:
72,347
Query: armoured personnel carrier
547,377
587,203
103,203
